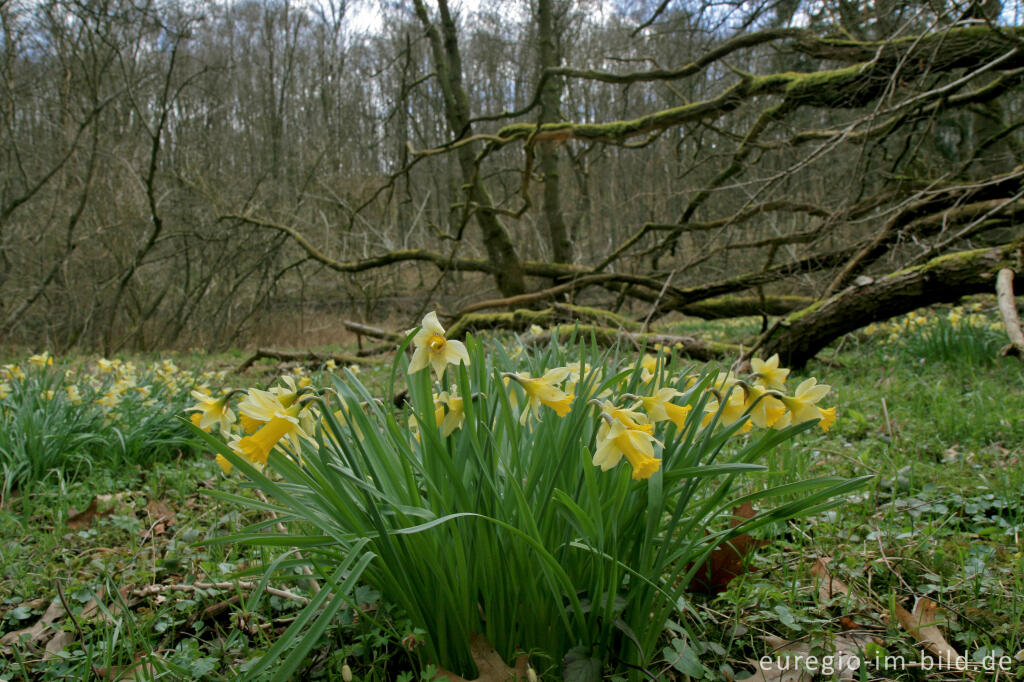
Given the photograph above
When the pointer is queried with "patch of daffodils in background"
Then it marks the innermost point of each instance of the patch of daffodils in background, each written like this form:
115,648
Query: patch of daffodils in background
114,386
61,416
965,334
897,331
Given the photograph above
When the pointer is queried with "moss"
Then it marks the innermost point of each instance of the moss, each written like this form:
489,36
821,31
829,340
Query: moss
804,311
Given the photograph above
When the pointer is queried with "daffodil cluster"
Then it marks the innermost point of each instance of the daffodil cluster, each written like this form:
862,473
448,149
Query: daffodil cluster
69,415
972,316
491,475
627,422
117,388
278,418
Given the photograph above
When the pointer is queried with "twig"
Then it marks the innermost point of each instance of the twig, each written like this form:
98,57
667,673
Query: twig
150,590
67,608
657,301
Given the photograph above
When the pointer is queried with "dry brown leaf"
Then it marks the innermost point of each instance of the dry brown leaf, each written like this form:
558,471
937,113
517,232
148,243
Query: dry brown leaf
489,664
92,606
921,624
34,631
160,519
36,603
728,559
58,643
83,519
828,585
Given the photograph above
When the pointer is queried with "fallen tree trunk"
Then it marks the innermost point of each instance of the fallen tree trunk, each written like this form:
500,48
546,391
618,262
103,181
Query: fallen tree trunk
310,359
366,330
689,346
605,328
726,307
522,319
941,280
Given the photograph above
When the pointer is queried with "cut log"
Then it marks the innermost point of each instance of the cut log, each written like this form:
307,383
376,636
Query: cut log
1008,311
945,279
374,332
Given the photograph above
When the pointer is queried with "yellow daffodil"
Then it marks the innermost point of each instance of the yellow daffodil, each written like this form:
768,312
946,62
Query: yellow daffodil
768,372
765,408
803,408
659,407
615,440
14,372
74,395
578,373
249,425
543,391
224,464
41,360
414,427
213,411
828,418
648,368
432,348
5,390
631,419
285,422
734,409
536,330
456,413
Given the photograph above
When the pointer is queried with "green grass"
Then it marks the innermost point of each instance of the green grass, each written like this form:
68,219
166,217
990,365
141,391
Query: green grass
943,518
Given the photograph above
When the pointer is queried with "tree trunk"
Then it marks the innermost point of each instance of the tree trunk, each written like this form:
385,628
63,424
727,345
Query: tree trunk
508,270
550,102
942,280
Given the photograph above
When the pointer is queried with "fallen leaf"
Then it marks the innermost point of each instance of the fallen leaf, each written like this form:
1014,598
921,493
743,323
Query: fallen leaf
37,603
160,518
489,664
58,643
829,587
34,631
921,624
728,559
83,519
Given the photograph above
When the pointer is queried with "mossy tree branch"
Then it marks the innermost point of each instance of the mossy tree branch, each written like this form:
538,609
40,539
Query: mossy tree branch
944,279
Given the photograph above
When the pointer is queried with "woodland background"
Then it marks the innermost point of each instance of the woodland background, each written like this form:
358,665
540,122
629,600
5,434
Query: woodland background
182,174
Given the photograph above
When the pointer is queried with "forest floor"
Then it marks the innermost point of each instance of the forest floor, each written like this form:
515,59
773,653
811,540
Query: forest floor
924,407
